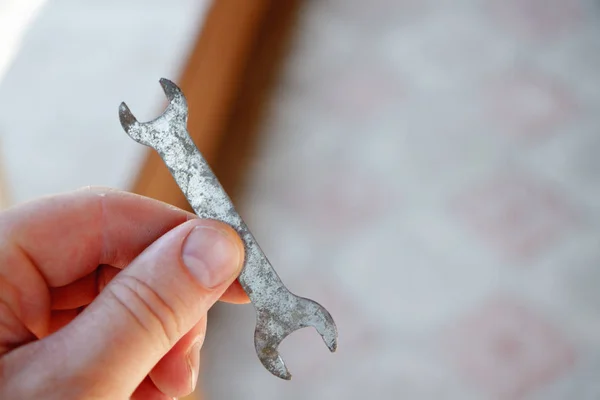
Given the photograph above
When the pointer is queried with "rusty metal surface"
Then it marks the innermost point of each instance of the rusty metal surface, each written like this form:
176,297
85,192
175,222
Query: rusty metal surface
278,311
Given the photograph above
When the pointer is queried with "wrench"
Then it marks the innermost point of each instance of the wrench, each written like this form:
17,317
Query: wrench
279,312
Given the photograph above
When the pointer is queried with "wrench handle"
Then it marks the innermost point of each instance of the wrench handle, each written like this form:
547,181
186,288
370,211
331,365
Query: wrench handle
209,200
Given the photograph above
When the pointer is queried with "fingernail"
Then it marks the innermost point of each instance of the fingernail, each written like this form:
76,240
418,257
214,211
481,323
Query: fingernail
211,255
193,358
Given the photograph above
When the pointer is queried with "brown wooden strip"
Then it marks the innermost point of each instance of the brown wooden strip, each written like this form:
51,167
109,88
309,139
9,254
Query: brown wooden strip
253,101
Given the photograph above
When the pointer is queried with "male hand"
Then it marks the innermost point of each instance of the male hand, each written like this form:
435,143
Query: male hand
104,295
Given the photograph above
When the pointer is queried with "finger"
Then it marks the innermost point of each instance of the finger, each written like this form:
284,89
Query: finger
83,291
14,332
235,294
176,373
60,239
76,294
148,391
109,226
142,312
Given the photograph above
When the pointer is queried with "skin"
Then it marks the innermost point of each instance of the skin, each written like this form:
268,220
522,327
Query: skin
96,301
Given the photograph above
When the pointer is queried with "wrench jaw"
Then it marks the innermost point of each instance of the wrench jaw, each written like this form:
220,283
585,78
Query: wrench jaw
151,133
268,354
132,127
284,318
177,111
142,132
321,320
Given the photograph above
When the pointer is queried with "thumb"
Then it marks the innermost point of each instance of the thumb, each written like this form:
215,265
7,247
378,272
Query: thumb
149,306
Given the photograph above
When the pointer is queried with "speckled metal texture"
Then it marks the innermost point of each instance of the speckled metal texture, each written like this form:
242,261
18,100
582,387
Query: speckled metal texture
279,312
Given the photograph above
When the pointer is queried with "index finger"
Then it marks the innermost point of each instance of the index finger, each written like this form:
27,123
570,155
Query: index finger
67,236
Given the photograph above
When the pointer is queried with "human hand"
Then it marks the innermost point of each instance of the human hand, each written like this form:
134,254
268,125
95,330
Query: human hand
104,294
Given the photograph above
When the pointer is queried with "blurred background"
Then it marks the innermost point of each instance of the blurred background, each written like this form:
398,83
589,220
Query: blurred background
427,170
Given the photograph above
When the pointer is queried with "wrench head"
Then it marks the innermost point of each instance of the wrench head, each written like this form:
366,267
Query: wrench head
276,322
150,133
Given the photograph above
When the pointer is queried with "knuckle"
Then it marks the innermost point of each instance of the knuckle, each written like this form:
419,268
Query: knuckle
147,308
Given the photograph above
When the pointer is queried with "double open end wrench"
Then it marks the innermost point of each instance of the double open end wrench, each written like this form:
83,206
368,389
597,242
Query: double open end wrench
279,312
